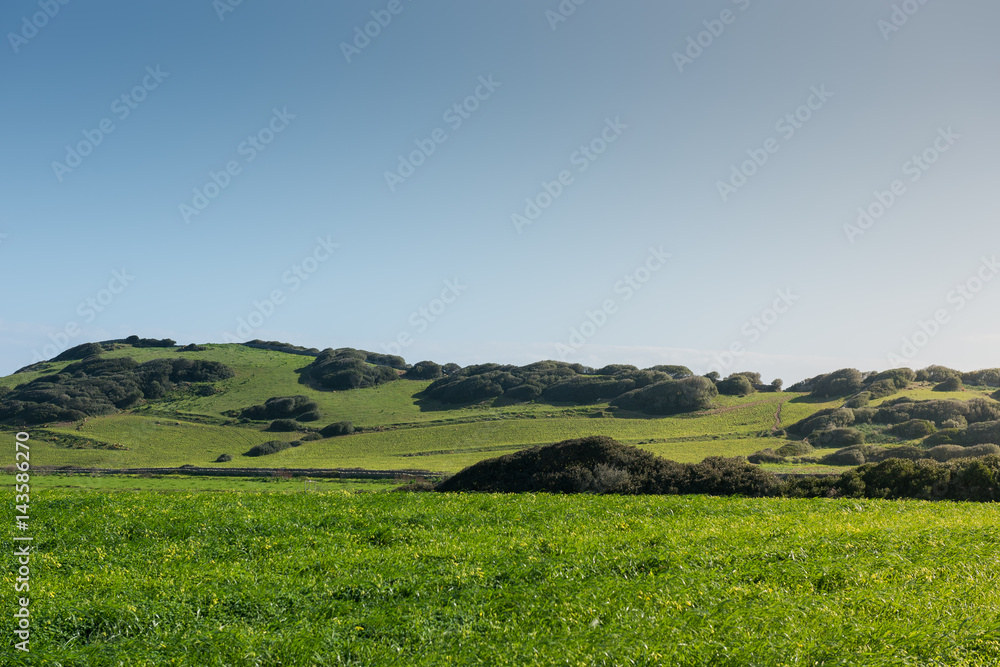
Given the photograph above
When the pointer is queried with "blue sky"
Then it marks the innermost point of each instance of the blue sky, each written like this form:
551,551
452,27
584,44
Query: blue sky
476,182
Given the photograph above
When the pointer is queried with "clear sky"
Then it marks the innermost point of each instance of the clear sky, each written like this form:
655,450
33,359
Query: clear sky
604,182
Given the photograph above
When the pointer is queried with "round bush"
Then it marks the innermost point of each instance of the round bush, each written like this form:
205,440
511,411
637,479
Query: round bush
311,416
913,429
851,456
269,447
858,400
524,392
954,383
838,437
284,425
336,429
766,456
796,449
224,458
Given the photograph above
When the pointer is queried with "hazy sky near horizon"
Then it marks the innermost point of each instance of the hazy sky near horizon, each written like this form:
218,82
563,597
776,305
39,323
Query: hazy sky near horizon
810,184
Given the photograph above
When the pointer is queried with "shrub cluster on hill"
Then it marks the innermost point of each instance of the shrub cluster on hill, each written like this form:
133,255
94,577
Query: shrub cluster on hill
424,370
98,386
600,464
851,381
300,408
80,352
277,346
269,447
336,429
548,381
347,368
970,422
135,341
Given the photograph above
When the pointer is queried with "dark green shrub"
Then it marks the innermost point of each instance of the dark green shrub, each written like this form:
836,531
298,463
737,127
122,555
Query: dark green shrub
284,426
844,382
767,455
735,385
799,448
309,416
223,458
837,437
269,447
936,374
80,352
863,415
954,383
424,370
670,397
336,429
524,392
281,407
947,436
982,433
849,456
859,400
823,419
675,372
614,369
347,368
903,478
913,429
311,436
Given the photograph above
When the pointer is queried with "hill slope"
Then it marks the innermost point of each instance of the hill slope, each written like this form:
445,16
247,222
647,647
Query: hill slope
398,426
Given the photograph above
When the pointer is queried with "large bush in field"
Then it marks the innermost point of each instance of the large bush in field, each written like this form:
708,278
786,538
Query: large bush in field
735,385
844,382
269,447
547,381
822,419
837,437
670,397
424,370
282,407
99,386
599,464
336,429
347,368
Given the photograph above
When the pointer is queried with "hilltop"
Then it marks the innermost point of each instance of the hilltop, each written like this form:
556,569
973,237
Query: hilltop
152,403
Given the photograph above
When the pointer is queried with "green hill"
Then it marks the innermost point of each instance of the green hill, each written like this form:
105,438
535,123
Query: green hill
171,406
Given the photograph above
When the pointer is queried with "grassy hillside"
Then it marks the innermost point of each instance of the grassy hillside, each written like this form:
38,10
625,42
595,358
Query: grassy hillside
400,428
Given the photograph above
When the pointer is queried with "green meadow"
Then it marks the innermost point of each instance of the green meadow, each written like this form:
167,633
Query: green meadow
333,578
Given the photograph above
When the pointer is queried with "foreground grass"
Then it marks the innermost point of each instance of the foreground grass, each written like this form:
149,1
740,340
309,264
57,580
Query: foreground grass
205,579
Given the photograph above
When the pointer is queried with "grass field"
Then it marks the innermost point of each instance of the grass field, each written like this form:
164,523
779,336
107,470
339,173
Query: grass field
239,578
